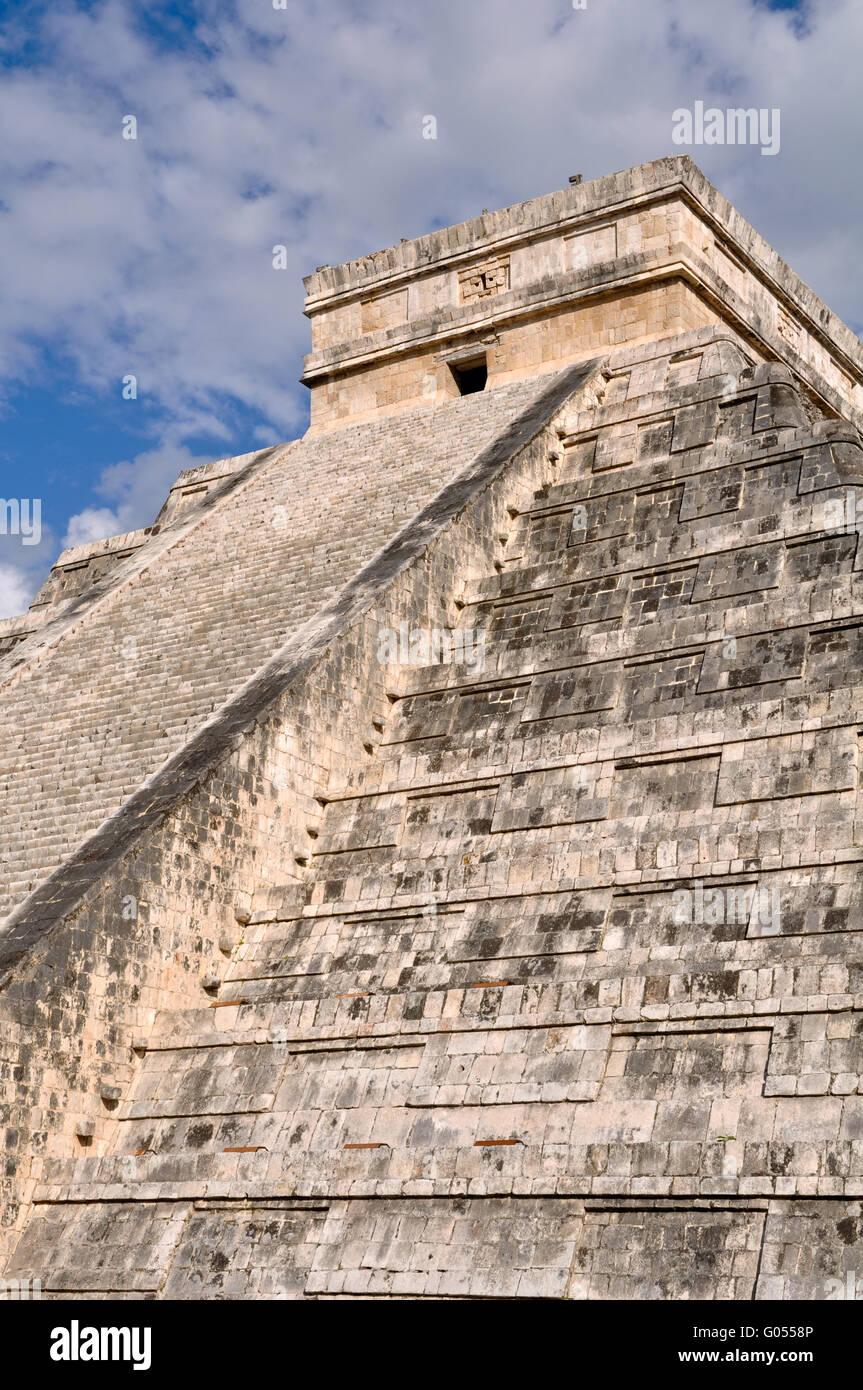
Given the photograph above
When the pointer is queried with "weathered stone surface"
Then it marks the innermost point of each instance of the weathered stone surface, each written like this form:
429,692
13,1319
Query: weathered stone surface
463,897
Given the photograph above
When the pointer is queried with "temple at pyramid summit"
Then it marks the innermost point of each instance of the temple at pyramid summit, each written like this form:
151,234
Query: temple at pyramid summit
431,853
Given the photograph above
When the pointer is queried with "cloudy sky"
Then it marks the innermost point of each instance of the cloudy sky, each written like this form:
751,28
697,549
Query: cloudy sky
303,125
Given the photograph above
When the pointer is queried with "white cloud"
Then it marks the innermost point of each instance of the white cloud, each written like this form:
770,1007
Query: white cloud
93,524
137,487
22,569
15,591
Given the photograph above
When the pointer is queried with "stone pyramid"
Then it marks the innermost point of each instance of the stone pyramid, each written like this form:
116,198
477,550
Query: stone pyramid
431,851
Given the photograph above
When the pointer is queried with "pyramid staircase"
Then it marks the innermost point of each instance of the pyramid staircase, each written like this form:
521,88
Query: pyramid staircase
569,1002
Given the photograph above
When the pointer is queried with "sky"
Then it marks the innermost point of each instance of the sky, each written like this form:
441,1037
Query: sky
302,126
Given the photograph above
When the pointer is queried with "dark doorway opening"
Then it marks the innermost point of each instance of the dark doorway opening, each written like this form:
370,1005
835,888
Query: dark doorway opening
470,376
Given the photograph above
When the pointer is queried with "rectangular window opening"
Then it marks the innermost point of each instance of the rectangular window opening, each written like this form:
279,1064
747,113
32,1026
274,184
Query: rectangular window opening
470,376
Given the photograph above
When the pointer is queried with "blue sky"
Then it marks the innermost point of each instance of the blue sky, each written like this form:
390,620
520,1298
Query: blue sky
302,126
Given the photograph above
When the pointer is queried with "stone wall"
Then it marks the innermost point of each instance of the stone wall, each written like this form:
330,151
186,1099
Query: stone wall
459,894
150,909
562,998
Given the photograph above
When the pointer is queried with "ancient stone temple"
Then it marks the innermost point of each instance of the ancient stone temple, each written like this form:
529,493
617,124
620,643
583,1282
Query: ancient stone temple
431,851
